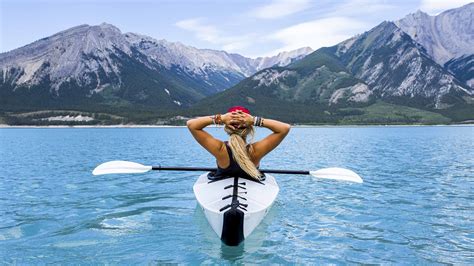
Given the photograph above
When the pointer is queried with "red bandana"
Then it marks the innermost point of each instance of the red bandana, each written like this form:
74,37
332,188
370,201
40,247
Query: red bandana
238,108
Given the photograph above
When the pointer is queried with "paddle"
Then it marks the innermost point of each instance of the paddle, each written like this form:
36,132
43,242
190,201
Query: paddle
125,167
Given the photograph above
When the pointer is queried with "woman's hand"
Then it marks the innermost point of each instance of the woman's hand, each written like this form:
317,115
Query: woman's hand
247,119
228,119
236,120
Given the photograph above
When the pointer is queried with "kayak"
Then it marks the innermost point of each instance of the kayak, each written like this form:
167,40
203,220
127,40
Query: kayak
235,206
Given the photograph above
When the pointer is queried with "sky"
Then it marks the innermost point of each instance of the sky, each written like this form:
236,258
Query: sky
250,28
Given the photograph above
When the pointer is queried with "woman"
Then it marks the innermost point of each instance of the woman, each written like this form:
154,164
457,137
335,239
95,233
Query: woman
237,157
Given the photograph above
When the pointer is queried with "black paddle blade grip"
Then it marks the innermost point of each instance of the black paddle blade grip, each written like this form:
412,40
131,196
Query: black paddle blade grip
233,227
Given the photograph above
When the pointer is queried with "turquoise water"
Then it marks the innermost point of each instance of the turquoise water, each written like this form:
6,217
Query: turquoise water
416,205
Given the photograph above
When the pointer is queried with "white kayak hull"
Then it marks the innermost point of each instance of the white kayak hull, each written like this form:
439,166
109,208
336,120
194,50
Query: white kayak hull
234,206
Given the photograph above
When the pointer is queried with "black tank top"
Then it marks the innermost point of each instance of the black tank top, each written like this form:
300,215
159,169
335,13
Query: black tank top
233,170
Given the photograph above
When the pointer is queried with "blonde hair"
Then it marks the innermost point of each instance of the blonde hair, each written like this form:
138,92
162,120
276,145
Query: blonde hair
238,145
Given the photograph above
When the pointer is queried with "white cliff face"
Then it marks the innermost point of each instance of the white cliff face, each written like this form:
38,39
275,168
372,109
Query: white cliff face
87,54
62,56
271,76
358,93
445,36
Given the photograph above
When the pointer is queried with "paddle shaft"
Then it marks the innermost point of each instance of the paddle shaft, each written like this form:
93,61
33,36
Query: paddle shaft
205,169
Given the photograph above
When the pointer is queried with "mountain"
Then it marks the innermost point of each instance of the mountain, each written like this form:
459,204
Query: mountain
398,69
299,92
250,66
89,66
446,36
383,64
281,59
462,68
416,70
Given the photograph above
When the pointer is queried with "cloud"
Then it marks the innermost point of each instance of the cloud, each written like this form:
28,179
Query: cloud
328,25
202,31
360,7
280,8
210,33
434,7
317,33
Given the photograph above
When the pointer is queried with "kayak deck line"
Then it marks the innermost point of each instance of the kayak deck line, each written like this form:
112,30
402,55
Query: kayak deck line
233,227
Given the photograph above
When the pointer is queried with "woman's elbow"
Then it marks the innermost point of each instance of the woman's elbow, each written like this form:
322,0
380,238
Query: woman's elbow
190,123
286,128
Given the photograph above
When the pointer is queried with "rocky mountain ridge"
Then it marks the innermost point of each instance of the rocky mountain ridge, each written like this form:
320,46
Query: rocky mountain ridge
94,59
398,71
445,36
382,64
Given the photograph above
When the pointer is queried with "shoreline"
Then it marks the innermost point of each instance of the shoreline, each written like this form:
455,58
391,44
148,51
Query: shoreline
169,126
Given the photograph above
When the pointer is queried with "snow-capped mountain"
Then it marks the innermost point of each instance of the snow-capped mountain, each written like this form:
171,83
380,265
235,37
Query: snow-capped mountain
102,62
445,36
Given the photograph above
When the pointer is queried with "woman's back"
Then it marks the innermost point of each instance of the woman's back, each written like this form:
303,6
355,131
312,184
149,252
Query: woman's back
239,124
232,169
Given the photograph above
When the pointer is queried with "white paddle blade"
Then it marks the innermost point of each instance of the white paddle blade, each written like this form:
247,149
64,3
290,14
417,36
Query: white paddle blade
337,174
120,167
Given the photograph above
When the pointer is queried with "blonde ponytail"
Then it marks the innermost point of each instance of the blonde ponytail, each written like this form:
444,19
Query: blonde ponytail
238,145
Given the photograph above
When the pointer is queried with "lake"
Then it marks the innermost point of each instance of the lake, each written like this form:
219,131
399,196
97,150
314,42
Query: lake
416,205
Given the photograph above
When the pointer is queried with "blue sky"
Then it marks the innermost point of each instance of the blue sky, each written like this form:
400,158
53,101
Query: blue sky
251,28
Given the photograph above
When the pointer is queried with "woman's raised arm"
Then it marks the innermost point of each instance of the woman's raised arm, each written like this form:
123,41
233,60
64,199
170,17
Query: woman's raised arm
264,146
206,140
211,144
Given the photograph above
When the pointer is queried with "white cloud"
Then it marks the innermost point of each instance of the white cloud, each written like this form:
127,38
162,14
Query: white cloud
361,7
317,33
202,31
210,33
236,45
280,8
434,7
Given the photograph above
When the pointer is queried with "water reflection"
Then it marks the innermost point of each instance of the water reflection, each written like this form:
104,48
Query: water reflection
251,245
